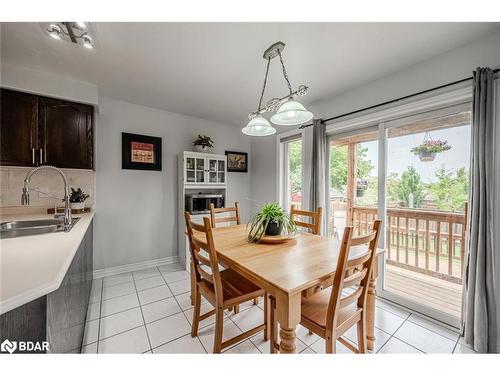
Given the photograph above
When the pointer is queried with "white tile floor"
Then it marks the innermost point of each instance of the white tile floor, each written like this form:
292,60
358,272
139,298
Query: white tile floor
149,311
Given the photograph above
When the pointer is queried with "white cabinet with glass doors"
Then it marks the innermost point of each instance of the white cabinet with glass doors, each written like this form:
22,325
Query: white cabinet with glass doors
204,169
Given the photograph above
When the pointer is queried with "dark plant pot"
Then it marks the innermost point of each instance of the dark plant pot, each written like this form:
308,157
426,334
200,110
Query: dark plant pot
360,192
274,229
426,156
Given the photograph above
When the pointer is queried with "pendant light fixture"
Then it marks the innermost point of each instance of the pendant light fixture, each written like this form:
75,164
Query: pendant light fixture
289,112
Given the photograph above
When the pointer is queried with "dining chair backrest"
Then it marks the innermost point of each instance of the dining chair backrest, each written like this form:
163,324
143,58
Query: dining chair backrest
314,224
199,261
353,275
214,211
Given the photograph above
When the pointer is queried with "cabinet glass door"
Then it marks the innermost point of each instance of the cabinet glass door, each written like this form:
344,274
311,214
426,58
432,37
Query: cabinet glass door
221,168
212,171
190,170
200,170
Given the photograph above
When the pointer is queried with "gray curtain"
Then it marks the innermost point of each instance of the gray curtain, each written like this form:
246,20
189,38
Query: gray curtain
481,313
319,166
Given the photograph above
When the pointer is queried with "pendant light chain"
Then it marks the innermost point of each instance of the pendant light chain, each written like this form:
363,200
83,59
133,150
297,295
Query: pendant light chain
264,86
284,73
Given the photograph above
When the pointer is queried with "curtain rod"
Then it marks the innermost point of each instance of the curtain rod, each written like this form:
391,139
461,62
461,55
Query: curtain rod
394,100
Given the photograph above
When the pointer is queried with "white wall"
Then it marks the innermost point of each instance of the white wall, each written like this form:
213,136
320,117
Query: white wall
48,84
445,68
136,211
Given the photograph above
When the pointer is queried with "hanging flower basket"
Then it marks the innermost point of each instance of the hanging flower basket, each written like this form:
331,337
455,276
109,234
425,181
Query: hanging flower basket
361,186
429,148
426,156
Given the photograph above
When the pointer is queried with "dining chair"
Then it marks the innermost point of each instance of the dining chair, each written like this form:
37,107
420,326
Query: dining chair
227,219
214,211
222,289
331,312
314,225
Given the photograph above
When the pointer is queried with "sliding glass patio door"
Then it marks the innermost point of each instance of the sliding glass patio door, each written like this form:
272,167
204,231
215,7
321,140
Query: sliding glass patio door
426,197
413,173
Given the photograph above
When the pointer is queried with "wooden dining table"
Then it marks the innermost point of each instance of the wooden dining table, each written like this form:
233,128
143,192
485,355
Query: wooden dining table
288,271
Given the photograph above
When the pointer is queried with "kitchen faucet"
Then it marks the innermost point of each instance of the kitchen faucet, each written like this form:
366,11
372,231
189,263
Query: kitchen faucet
25,197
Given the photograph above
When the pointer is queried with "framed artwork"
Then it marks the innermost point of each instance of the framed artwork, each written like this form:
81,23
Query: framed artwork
237,161
141,152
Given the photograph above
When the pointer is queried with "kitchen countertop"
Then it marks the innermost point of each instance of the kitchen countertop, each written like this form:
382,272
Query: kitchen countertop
33,266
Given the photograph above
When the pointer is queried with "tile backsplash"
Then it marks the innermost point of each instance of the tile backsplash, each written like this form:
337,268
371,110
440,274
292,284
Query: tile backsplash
12,182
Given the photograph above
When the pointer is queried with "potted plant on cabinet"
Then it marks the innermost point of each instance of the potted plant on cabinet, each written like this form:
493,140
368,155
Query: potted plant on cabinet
428,149
271,220
77,199
203,143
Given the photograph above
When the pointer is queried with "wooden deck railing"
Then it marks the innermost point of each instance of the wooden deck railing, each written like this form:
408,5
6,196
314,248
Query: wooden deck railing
429,242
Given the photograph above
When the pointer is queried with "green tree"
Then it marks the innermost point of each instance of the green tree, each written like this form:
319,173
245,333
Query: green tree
392,183
451,190
410,185
295,165
338,166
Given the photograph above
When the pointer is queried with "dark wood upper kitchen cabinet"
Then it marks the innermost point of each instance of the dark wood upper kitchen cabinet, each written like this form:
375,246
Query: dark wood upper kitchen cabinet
66,133
37,130
19,128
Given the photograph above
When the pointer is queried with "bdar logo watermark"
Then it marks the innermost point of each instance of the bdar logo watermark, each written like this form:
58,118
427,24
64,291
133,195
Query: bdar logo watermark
23,346
8,346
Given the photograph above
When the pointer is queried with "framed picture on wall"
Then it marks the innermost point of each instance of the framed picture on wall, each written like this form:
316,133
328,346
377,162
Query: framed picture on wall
237,161
141,152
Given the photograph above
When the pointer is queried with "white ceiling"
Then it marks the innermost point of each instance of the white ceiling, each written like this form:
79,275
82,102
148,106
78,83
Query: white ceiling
215,70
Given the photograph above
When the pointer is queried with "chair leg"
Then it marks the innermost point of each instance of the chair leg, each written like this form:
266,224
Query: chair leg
256,301
219,325
330,343
236,309
362,335
274,325
193,284
267,318
196,313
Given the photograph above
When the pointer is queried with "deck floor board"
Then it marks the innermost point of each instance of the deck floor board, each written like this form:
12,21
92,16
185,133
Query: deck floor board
426,290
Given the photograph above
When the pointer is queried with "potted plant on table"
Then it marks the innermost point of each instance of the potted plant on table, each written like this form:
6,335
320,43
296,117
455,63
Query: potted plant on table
428,149
271,220
203,143
77,199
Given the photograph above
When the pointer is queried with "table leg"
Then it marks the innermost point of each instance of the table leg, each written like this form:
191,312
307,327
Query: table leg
287,340
288,315
370,311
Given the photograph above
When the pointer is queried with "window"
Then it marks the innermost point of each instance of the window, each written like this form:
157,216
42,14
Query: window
291,172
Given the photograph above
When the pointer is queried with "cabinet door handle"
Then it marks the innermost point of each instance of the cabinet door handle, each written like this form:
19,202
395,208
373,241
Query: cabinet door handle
33,155
41,156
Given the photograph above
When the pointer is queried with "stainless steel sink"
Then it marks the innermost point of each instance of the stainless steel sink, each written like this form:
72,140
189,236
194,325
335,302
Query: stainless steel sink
11,229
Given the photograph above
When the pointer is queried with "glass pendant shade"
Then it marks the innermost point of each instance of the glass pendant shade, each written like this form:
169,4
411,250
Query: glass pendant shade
258,127
291,113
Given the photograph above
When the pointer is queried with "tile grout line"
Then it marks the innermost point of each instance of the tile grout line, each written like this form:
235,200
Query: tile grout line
100,311
142,314
125,282
392,335
182,311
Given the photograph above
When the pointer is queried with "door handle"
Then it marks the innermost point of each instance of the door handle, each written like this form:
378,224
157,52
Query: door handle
41,156
33,155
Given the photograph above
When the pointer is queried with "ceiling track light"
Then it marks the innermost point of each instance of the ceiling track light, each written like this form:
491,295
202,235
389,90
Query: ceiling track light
289,112
76,32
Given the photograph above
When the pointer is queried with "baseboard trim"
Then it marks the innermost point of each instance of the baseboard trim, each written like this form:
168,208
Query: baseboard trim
110,271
